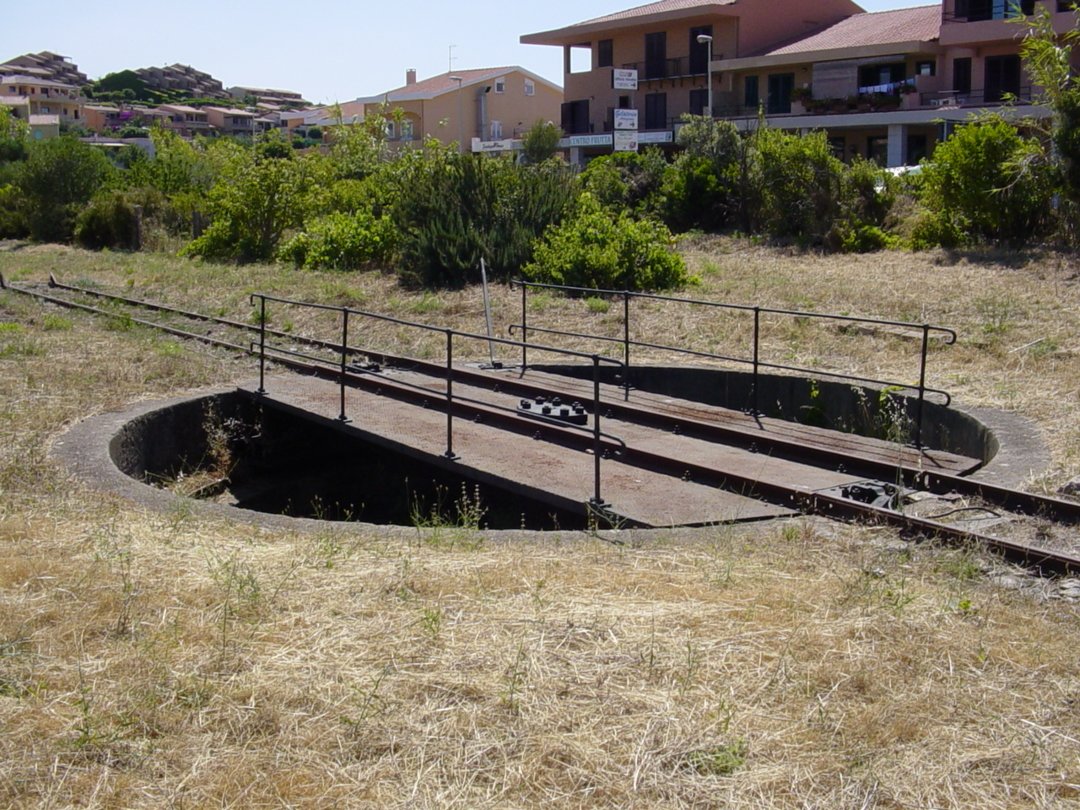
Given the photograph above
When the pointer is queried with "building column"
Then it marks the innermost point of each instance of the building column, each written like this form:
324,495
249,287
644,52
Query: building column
575,156
897,145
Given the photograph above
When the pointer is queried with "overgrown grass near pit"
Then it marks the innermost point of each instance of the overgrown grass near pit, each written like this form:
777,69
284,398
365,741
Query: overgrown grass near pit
171,659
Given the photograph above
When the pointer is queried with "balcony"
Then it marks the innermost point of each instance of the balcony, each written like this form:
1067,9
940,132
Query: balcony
976,98
680,67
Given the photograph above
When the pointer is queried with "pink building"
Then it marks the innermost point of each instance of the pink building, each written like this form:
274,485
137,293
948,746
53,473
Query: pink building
885,85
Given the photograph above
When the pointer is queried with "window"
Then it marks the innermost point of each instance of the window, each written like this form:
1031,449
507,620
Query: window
877,149
1002,77
877,75
496,130
500,85
530,87
916,149
751,99
390,130
406,130
656,111
926,68
605,53
961,70
699,51
656,55
780,87
575,117
699,100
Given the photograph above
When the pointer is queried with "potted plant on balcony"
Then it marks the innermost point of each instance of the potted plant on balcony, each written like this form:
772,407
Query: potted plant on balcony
801,98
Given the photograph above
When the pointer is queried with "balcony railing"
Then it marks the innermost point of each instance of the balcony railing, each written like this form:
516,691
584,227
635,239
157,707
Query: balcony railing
975,98
678,67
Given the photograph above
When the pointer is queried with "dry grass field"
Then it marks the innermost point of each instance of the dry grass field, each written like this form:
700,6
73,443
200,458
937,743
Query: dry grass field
169,659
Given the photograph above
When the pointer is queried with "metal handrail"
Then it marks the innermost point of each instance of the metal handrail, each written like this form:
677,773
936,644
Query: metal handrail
946,335
344,350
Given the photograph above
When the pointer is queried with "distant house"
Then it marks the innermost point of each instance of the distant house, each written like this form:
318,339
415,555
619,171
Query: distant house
231,121
463,106
44,126
184,120
45,96
264,95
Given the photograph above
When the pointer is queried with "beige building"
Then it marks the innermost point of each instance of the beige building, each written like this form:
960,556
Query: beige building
184,120
468,107
231,121
45,96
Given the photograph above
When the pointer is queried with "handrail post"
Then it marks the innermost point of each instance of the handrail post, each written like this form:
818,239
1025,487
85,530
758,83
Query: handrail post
922,386
626,345
344,360
757,354
524,326
450,395
262,344
597,501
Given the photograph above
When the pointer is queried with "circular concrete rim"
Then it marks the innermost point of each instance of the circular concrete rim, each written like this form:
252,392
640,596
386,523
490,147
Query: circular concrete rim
83,449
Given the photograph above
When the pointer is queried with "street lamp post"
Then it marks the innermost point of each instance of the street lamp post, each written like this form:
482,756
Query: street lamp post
702,40
460,115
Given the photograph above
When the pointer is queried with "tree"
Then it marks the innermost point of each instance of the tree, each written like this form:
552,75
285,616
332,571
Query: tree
254,201
14,136
540,142
58,178
1047,56
986,182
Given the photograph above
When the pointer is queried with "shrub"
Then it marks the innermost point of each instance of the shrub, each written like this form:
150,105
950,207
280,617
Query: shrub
540,142
113,219
251,206
342,241
58,178
594,249
986,182
628,180
12,223
453,210
799,182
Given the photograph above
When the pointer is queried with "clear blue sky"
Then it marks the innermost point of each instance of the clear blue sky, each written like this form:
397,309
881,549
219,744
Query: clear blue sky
334,50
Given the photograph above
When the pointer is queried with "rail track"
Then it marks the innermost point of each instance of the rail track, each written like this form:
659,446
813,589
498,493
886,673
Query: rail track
912,491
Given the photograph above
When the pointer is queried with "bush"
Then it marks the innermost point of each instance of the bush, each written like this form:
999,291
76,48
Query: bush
342,241
540,142
986,182
799,182
12,223
453,210
58,178
114,219
594,249
628,180
253,203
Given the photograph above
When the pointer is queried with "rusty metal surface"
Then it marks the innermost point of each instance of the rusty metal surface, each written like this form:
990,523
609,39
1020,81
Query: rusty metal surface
765,429
538,468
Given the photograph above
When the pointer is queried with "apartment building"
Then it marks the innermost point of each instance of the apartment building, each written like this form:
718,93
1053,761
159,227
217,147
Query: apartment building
231,121
45,65
886,85
184,120
44,96
268,96
192,82
480,109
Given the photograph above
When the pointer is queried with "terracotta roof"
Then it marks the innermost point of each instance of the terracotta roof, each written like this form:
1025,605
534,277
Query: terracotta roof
661,7
921,24
446,82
